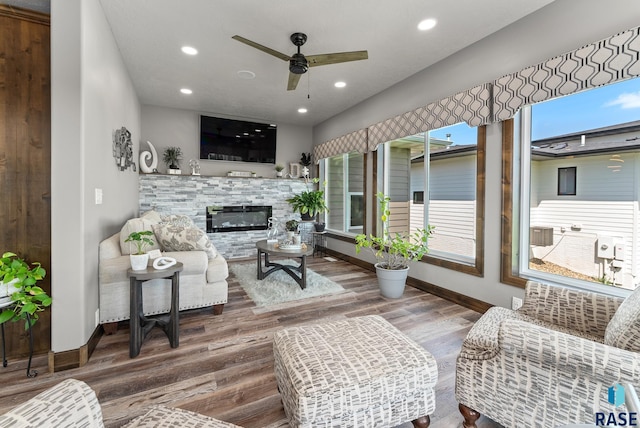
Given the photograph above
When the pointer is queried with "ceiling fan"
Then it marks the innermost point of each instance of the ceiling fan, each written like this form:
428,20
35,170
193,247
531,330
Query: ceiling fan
298,63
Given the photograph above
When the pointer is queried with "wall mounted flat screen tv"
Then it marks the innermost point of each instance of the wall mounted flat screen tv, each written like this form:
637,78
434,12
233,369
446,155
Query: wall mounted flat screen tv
237,140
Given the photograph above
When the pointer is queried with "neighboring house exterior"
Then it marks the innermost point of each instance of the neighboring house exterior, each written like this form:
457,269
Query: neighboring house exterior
604,211
603,165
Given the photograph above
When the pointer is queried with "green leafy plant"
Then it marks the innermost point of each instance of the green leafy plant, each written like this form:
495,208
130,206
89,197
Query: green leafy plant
309,202
305,159
394,251
141,240
291,225
279,168
172,157
29,298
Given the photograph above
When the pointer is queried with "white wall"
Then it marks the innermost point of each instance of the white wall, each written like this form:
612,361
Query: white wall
91,96
560,27
165,127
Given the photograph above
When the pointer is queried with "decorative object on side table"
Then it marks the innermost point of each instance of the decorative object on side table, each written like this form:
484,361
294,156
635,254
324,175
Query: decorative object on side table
140,259
172,157
393,251
195,167
123,149
151,155
319,226
309,203
279,169
20,297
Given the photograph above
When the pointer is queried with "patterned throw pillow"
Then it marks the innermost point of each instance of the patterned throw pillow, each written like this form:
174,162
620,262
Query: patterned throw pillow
178,238
623,330
178,220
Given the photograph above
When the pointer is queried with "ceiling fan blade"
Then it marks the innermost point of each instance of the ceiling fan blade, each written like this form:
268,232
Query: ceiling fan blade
293,81
335,58
262,48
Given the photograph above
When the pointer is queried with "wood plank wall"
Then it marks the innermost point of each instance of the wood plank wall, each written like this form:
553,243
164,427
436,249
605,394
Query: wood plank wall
25,155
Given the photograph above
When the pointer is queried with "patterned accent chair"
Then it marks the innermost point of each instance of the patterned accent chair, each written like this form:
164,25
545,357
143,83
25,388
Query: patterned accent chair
551,362
72,403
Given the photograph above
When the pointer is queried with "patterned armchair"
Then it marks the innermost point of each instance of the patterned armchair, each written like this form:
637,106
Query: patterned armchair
552,362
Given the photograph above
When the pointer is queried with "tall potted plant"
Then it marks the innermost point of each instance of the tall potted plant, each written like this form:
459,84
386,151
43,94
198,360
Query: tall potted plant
393,251
140,259
309,203
23,298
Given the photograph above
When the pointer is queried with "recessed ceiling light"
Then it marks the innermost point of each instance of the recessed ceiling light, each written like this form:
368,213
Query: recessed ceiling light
189,50
302,110
340,84
427,24
186,91
246,74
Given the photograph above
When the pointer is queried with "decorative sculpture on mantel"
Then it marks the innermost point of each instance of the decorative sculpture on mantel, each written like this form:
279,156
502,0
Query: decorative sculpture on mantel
151,155
123,149
195,167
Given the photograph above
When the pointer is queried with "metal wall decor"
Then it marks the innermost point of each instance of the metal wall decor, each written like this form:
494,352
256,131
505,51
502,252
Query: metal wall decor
123,149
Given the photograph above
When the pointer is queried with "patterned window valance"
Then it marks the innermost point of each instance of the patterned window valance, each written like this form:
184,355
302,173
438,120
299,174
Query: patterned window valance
600,63
471,106
353,142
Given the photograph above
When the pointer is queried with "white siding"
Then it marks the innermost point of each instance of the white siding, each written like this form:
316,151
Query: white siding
606,203
453,179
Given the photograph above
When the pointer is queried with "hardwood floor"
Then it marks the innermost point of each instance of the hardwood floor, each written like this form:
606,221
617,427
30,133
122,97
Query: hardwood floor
224,364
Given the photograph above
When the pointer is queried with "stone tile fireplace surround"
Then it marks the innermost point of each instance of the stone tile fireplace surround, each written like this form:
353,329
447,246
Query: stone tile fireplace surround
190,195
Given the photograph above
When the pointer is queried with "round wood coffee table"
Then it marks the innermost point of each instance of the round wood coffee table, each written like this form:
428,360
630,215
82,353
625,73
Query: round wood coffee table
298,273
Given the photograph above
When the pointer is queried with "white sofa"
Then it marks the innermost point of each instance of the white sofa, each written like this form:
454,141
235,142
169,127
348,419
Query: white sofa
202,281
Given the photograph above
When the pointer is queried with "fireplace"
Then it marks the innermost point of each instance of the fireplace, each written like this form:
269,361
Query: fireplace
237,218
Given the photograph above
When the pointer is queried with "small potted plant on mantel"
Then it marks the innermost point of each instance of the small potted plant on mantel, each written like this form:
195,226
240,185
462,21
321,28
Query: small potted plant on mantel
140,259
172,157
279,170
393,252
20,295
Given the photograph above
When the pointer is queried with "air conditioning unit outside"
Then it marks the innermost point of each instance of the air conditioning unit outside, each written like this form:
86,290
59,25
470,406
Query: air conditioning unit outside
541,236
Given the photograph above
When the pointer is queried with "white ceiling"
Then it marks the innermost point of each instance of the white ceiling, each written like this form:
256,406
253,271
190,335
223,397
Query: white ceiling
150,33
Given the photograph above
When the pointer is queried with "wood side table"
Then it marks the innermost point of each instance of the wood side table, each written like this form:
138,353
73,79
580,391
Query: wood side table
139,324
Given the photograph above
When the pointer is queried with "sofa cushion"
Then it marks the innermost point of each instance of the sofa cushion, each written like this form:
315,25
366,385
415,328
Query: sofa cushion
623,330
136,225
218,269
152,215
178,238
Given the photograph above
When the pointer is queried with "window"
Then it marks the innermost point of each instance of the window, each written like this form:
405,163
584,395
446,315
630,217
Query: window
567,181
595,233
451,178
345,180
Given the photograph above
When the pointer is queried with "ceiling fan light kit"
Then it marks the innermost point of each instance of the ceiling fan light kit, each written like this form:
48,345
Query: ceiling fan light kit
298,63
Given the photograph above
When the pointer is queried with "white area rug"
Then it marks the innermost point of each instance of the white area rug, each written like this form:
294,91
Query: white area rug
280,287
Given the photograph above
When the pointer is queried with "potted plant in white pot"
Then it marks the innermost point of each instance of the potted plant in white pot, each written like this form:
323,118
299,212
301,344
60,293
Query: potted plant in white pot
172,157
25,298
292,228
393,252
279,170
140,259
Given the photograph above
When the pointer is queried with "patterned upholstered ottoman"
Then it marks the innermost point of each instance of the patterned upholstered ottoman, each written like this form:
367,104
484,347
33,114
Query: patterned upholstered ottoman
358,372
